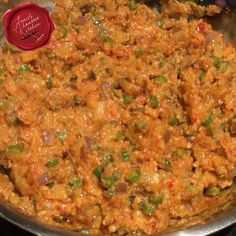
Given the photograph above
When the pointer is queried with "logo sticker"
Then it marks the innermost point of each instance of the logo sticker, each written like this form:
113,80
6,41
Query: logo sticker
28,26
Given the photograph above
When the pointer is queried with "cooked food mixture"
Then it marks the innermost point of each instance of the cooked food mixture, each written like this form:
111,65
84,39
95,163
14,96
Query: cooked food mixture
125,123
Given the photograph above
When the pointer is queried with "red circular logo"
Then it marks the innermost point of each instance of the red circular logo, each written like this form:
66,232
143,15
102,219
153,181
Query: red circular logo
28,26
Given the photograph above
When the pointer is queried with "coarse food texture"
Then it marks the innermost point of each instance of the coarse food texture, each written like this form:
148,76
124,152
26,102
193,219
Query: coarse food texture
125,123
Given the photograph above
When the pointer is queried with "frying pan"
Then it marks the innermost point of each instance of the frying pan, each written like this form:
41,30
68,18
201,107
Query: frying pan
219,221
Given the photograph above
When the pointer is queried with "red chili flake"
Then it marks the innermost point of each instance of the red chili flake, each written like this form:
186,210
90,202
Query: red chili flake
112,18
170,183
201,27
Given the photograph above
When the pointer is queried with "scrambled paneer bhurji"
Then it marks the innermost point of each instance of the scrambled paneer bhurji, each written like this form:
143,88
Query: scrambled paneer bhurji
125,123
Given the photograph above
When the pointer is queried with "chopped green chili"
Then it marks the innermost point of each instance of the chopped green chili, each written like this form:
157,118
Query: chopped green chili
217,112
25,68
156,200
162,64
153,101
96,21
88,8
63,32
167,164
214,191
216,61
92,9
107,39
127,99
73,78
15,121
174,121
98,172
50,184
59,219
140,125
76,101
181,152
119,136
179,72
15,149
51,55
107,157
76,27
108,181
160,23
207,121
160,80
202,75
147,209
132,5
125,155
52,163
224,66
138,52
75,183
49,83
135,177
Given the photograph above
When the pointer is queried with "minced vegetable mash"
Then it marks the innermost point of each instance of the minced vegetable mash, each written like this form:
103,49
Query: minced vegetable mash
125,123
